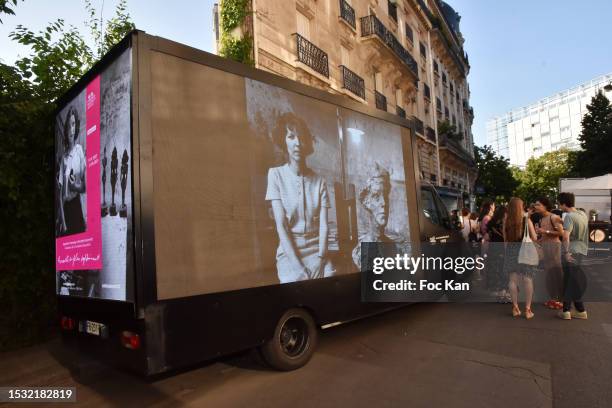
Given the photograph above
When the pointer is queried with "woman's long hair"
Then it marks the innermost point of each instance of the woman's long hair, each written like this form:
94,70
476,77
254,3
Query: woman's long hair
77,123
498,217
485,208
513,229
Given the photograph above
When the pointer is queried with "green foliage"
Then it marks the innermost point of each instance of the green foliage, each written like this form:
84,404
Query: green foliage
595,158
233,13
116,28
494,175
450,131
237,49
59,57
541,175
7,8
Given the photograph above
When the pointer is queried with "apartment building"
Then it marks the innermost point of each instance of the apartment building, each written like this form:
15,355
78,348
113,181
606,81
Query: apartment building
547,125
401,56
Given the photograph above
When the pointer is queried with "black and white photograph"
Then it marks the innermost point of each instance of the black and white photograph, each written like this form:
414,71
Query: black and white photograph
115,177
301,180
374,162
71,168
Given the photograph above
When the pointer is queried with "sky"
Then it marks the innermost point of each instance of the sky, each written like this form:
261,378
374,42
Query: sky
520,50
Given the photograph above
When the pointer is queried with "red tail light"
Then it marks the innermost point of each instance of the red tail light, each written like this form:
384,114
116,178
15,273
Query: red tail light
130,340
67,323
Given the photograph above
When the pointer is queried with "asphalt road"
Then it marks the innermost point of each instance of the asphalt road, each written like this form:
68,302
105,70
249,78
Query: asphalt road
424,355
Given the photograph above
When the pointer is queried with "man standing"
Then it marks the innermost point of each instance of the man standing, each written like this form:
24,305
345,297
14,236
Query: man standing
574,248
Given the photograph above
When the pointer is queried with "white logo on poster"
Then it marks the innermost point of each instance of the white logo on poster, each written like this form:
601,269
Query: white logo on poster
91,99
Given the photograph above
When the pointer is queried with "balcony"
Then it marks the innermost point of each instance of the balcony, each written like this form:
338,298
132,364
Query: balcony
347,13
381,101
430,134
418,126
312,56
352,82
372,26
400,111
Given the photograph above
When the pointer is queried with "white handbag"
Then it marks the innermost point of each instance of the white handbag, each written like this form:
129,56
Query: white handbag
528,254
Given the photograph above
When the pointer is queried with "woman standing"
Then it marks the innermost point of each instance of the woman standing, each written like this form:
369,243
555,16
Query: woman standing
514,227
550,231
486,213
299,202
71,178
465,224
497,280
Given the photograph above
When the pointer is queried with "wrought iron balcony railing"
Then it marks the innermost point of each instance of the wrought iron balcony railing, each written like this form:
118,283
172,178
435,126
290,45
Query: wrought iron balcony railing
347,13
381,101
430,134
352,82
371,25
312,56
400,111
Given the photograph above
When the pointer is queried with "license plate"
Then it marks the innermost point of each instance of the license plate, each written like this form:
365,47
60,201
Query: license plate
93,327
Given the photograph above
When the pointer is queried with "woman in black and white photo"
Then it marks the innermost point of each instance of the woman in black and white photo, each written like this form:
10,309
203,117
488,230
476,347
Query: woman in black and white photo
71,178
300,203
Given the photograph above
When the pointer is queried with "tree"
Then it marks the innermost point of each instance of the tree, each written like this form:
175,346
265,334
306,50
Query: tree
59,57
595,158
495,179
7,8
541,175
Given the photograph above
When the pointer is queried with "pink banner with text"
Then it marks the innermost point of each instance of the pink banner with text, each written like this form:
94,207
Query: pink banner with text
79,182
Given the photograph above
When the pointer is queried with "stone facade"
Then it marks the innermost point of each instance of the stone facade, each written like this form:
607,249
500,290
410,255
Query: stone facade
403,56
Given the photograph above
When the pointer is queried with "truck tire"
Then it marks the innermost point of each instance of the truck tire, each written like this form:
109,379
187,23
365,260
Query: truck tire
293,343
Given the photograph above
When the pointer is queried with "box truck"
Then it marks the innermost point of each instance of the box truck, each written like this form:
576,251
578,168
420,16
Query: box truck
205,207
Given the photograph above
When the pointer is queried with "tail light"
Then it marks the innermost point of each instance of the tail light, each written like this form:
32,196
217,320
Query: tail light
67,323
130,340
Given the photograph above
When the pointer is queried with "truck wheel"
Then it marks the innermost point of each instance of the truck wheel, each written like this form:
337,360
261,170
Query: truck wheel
293,343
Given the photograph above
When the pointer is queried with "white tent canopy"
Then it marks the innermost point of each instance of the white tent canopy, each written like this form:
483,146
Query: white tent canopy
594,183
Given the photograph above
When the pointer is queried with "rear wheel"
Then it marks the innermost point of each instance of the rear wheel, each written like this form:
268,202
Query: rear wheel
293,343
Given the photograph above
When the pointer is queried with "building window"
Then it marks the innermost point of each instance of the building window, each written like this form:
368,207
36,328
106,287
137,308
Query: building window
444,79
347,13
345,56
303,25
438,105
423,50
409,34
392,7
435,67
378,82
426,91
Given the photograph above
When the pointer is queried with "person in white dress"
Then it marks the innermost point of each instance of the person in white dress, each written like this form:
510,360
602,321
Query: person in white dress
299,202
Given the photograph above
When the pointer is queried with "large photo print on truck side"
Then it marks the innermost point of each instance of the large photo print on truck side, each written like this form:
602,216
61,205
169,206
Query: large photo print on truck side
93,188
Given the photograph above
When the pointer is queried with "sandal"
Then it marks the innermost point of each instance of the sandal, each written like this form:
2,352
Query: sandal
516,312
529,314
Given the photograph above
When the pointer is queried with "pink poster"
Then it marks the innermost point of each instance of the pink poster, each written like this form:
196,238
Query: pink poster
80,246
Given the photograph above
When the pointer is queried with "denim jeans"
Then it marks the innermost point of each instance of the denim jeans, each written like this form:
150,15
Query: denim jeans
574,283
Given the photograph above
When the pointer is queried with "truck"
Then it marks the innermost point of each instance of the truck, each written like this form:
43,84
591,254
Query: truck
205,207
